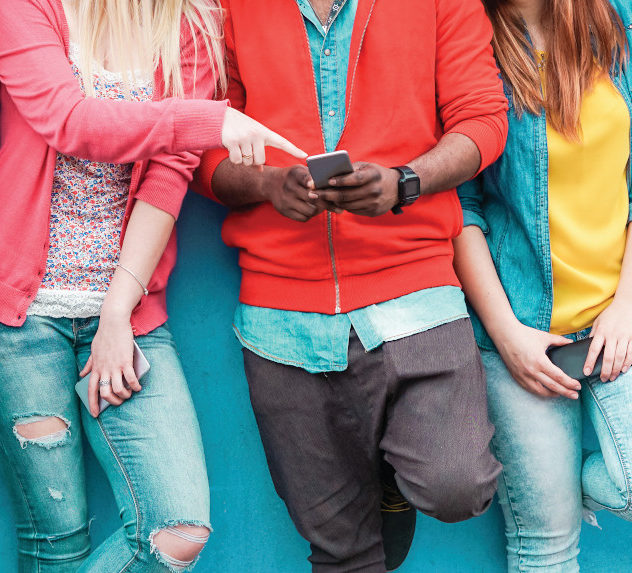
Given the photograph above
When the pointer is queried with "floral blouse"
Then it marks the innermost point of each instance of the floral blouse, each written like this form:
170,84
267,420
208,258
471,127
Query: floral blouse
88,205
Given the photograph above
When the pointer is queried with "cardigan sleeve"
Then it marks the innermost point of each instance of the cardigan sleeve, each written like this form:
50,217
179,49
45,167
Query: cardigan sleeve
469,91
165,183
35,72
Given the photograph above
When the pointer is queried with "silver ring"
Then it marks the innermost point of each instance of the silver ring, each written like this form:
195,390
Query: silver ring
104,382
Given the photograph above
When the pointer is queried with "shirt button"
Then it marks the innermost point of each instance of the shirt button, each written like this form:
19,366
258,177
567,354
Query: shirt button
327,52
331,113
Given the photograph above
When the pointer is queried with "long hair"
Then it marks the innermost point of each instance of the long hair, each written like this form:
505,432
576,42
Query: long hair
584,38
145,34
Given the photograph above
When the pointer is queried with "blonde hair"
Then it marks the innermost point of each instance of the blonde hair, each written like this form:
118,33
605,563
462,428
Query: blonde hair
147,33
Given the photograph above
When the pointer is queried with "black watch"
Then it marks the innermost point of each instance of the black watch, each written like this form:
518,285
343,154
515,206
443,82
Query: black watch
408,188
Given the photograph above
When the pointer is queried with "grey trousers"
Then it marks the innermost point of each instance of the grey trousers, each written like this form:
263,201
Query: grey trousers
419,403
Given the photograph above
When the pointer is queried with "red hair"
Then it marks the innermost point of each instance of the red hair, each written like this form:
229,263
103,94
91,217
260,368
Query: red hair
584,38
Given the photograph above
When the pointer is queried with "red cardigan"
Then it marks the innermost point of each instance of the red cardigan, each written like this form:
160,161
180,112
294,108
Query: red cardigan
42,111
418,69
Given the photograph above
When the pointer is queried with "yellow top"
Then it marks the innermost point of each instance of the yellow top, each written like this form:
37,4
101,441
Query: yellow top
588,208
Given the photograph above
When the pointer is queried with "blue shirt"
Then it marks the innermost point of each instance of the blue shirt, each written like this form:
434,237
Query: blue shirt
319,342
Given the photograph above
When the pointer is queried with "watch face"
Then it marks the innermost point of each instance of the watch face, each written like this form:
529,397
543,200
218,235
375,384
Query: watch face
411,189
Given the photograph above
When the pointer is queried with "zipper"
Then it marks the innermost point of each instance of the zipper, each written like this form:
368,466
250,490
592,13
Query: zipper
330,237
330,233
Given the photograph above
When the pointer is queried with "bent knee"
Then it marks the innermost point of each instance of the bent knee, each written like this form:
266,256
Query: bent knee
450,497
46,431
178,546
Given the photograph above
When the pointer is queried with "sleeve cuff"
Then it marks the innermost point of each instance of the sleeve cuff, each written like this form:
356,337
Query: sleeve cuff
165,193
488,135
198,124
204,174
470,218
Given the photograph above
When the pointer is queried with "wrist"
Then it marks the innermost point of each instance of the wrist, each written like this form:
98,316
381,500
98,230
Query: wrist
502,330
272,179
113,309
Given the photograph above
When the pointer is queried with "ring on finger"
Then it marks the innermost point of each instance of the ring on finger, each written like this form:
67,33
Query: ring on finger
105,382
246,156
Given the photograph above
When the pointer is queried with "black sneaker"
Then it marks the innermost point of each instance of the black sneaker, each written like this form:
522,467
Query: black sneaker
398,524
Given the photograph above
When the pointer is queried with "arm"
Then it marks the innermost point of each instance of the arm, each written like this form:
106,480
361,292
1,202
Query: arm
472,108
523,349
612,330
35,72
146,237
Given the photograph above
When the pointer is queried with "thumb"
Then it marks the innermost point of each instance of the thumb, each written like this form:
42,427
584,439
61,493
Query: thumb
87,368
557,340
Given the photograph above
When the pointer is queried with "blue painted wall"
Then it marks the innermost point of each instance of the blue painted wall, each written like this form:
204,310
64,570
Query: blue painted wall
253,533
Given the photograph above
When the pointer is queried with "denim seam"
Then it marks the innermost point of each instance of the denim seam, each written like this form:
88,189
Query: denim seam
265,354
622,461
500,245
131,489
513,514
28,505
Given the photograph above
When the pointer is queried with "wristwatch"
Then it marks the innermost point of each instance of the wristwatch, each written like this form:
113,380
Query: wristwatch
408,188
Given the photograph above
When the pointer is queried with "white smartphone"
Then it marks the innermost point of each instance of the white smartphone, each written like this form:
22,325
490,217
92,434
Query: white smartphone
141,367
327,165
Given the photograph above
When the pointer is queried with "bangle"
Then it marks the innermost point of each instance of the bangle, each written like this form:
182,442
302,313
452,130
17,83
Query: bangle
135,277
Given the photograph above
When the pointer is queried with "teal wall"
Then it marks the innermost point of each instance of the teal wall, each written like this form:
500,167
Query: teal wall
253,533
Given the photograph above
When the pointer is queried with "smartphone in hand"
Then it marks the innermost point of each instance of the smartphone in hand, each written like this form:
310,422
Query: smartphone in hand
141,367
327,165
572,357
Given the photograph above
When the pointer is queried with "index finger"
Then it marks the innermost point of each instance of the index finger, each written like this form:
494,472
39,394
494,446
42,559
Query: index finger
557,374
275,140
593,353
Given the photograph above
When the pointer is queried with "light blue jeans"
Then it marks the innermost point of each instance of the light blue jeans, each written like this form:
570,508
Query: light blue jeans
546,479
150,449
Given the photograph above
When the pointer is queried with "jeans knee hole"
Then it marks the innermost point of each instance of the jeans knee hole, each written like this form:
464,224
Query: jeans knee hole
178,546
44,430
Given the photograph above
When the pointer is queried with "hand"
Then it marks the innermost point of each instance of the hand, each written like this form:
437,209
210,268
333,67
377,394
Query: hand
523,350
112,359
290,190
612,330
246,140
371,190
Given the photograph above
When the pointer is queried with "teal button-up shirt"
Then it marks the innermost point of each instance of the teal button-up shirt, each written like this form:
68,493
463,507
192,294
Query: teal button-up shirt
319,342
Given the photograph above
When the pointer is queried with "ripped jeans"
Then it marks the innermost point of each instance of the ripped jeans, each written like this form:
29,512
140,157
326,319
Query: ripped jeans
150,448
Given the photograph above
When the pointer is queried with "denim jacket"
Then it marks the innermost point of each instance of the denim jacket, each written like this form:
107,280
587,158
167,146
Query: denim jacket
509,202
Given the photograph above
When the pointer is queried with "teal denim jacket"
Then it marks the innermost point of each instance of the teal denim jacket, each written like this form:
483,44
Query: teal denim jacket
509,202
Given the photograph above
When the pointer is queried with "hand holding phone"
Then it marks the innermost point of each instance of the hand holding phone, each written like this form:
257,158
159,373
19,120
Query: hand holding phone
141,367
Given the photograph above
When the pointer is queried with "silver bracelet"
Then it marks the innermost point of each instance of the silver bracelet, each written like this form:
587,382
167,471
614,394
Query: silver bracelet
135,277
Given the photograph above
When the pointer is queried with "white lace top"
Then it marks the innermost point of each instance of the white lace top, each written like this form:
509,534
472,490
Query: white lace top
88,205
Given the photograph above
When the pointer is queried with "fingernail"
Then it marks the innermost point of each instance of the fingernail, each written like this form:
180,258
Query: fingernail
586,372
574,396
332,182
313,195
578,386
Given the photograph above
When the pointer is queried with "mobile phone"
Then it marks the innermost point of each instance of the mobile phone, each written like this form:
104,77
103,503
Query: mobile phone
327,165
572,357
141,367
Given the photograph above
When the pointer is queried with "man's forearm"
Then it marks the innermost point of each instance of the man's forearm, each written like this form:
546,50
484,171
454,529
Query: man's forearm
453,161
239,186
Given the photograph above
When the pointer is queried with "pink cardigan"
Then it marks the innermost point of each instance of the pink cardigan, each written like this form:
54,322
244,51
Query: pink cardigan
42,111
